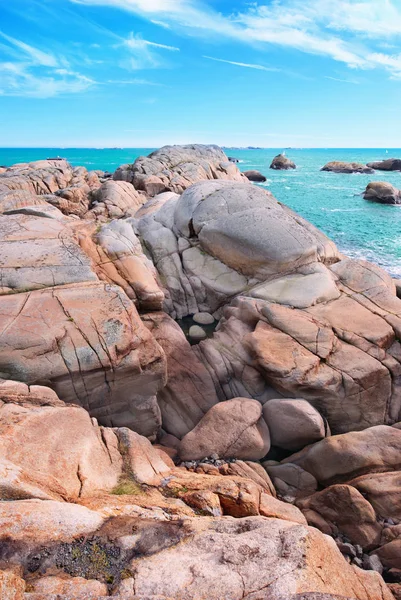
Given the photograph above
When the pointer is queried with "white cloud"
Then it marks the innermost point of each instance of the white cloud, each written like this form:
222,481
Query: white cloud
138,43
37,74
347,31
342,80
241,64
37,56
134,82
17,79
143,54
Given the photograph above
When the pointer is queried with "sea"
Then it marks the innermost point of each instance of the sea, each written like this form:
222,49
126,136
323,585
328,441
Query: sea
333,202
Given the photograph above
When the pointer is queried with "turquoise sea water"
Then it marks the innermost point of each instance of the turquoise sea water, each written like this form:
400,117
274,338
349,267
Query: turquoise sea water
332,202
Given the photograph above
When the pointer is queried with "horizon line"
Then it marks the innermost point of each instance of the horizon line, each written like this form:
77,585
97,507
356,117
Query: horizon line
201,144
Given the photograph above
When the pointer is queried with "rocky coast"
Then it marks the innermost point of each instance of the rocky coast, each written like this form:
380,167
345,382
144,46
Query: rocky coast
200,396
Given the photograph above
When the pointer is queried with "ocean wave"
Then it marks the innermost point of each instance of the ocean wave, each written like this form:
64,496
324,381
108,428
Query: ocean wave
342,209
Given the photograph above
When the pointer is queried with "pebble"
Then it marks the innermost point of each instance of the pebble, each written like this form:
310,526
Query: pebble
203,318
347,549
196,333
358,562
372,563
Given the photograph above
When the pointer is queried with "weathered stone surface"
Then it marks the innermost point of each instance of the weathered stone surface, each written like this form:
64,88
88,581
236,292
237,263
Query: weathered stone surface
383,491
189,392
174,168
230,429
116,199
299,291
255,176
390,164
26,203
74,587
247,229
337,166
88,343
45,521
141,459
50,450
233,558
344,457
282,163
40,252
119,259
222,238
64,186
382,192
290,480
12,586
345,510
293,423
390,554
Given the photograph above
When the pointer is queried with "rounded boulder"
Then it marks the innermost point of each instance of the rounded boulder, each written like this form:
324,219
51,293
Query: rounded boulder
293,424
231,429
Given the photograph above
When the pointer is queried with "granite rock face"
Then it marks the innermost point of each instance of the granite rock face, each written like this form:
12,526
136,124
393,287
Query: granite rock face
174,168
230,429
87,342
301,342
65,187
116,199
220,239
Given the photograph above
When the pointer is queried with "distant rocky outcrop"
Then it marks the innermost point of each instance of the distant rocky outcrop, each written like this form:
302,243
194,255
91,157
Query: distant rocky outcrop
63,186
282,163
255,176
390,164
337,166
174,168
383,193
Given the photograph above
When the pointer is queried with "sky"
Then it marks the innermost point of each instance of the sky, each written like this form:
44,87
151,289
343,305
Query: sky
144,73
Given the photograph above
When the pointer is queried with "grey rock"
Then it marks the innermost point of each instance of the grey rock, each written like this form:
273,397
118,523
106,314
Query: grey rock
203,318
390,164
337,166
373,563
255,176
282,163
383,193
196,333
174,168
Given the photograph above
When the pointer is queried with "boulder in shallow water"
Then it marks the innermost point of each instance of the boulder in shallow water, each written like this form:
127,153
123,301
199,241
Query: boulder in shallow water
390,164
255,176
282,163
382,192
337,166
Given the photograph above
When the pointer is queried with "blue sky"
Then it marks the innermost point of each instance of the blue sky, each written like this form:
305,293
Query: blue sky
142,73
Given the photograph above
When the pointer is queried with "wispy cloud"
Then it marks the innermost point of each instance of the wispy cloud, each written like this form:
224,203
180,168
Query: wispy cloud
347,31
241,64
35,73
20,80
342,80
37,56
134,82
144,54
